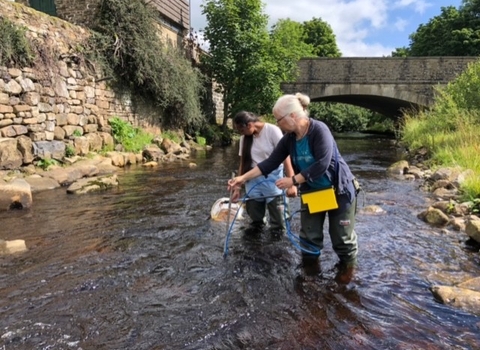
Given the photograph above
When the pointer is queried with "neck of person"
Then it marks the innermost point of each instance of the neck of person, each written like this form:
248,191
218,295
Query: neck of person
302,128
258,128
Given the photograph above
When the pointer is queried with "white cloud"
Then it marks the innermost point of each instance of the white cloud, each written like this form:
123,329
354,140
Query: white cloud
360,49
400,24
346,18
419,5
354,22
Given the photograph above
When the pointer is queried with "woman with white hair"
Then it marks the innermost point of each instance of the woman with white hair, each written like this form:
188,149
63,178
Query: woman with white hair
318,165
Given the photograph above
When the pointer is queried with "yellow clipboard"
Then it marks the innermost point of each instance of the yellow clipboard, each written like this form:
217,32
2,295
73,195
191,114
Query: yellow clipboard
320,200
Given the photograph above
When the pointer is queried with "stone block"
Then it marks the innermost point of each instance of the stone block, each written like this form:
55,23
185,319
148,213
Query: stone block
12,247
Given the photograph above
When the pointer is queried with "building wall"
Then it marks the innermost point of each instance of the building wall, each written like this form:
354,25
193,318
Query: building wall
177,12
173,15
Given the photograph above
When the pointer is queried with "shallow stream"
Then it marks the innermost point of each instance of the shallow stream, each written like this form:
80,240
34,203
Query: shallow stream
142,267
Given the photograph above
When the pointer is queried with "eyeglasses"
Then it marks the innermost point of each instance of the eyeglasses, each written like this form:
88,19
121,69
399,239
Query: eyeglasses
280,119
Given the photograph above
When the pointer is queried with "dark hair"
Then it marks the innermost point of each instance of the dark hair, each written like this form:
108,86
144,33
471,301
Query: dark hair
242,118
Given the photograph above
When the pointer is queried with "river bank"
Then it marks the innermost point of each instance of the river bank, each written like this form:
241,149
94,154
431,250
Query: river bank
94,172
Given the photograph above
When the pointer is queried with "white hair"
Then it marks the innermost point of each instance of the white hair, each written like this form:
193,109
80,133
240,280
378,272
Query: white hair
297,104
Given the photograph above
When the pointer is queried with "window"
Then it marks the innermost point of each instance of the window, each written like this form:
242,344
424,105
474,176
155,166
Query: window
47,6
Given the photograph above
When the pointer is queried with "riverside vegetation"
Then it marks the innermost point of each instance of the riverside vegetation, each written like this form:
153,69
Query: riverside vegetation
450,131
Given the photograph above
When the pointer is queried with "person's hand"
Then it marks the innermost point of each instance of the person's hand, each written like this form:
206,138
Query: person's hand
236,182
235,196
292,192
284,183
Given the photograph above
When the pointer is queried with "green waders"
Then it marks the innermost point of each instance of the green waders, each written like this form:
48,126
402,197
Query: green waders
341,229
256,210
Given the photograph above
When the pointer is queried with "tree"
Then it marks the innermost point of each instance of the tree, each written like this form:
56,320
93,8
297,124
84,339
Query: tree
239,58
401,52
320,35
452,33
341,117
288,46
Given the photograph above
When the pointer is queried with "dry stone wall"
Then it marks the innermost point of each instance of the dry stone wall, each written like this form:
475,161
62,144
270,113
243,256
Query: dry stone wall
61,101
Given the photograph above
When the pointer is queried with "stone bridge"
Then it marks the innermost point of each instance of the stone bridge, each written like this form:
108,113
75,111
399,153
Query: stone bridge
387,85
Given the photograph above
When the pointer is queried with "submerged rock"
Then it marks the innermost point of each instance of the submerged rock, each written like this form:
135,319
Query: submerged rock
462,298
11,247
15,194
93,184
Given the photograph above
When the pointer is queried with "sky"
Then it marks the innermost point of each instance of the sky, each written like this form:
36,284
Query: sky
363,28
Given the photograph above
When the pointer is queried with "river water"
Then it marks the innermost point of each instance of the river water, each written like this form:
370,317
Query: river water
142,267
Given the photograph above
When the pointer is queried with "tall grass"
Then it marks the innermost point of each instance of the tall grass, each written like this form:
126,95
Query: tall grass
451,129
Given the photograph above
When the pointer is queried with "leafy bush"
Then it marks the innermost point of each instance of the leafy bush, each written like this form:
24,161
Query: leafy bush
340,117
171,136
129,42
15,49
132,139
202,141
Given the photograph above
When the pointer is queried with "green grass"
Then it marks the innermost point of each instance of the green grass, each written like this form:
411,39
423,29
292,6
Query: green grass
131,138
450,146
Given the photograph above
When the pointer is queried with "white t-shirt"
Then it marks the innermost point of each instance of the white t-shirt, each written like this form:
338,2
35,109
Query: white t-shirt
263,143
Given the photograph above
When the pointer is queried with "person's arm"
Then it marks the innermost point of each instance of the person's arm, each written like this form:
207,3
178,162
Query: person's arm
237,189
288,167
240,180
289,172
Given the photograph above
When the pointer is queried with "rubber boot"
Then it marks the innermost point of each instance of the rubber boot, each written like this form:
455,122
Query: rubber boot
276,213
256,212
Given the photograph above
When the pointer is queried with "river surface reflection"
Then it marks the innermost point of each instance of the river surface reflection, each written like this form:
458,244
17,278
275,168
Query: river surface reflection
142,267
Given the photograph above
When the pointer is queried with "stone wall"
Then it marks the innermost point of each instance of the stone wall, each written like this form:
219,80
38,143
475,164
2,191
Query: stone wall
62,102
382,70
218,103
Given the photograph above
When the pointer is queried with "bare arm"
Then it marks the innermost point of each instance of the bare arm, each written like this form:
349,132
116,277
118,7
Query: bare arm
240,180
236,189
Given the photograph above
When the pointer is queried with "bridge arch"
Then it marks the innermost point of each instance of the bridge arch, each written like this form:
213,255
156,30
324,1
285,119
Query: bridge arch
388,85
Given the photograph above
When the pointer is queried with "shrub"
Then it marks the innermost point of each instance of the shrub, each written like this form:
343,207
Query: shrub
132,139
69,151
129,43
46,163
15,49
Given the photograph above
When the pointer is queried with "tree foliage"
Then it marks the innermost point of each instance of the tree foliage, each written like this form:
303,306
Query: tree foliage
128,40
320,35
239,57
248,62
341,117
455,32
288,45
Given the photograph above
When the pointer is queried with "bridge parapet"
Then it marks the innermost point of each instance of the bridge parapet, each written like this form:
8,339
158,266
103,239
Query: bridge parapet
382,70
388,85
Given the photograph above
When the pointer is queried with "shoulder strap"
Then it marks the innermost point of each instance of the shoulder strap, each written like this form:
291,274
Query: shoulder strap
337,167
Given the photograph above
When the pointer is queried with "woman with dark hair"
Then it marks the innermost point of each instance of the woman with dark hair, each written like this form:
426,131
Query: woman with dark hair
256,144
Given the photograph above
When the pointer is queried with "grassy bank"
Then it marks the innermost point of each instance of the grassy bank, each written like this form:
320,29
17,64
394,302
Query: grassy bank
451,129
